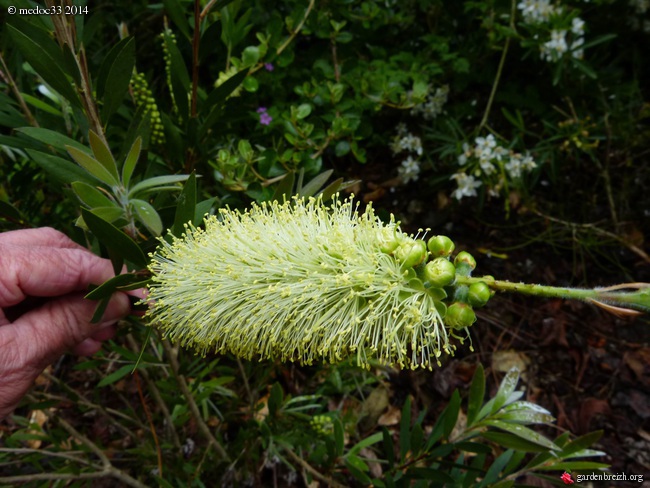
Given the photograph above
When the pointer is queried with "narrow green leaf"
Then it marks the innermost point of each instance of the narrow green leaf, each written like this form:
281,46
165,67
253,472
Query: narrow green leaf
507,387
220,93
468,446
8,211
275,399
91,196
52,138
113,238
177,14
524,417
581,442
476,394
498,464
43,63
60,169
368,441
356,462
439,477
186,206
156,181
450,414
339,437
41,105
93,166
315,184
115,75
109,287
284,190
202,208
109,214
99,310
147,215
446,422
523,432
577,465
115,375
103,153
330,190
389,450
131,161
357,467
510,441
405,430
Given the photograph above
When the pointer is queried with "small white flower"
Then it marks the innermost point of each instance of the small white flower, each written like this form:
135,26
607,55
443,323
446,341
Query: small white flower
409,170
578,26
467,186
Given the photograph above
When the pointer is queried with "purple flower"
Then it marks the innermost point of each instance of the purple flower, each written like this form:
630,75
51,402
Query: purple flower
261,110
265,119
268,66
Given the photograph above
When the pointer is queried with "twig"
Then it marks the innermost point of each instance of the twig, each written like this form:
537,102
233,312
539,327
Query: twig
155,393
307,467
182,383
21,101
635,249
195,56
245,379
497,78
152,427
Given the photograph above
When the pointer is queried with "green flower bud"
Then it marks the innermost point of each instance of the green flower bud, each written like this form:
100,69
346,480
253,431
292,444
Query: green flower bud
465,263
465,257
439,272
411,252
459,315
478,294
388,239
441,246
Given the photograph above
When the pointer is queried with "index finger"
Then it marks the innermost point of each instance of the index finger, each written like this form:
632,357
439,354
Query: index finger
42,236
48,271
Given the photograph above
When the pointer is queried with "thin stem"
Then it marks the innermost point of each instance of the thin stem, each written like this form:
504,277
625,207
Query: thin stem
639,299
497,78
14,88
195,55
182,383
316,474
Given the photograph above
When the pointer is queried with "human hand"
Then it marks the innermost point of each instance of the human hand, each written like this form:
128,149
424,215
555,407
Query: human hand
46,263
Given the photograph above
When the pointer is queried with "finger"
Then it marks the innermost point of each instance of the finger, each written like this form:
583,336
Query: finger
43,236
93,344
41,336
45,272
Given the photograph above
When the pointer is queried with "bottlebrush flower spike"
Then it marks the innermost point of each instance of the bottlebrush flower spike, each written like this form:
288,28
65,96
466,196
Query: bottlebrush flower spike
299,281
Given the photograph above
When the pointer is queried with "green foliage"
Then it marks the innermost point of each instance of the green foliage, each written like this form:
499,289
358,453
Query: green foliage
117,134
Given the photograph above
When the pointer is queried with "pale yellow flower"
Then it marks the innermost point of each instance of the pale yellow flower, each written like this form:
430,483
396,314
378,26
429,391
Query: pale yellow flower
298,281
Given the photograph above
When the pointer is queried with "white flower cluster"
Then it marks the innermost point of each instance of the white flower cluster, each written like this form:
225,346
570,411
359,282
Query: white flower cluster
485,159
555,48
409,170
433,106
537,11
542,11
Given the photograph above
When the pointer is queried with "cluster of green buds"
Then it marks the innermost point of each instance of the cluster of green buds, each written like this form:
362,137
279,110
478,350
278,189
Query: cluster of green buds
144,97
166,37
428,265
225,76
322,424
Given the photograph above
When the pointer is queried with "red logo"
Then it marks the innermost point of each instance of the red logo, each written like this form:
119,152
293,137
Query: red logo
566,477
